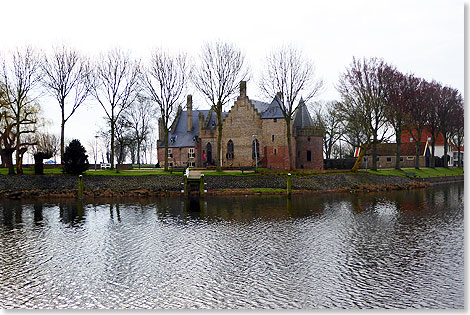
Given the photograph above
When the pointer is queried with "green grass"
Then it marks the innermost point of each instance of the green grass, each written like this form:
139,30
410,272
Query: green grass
422,173
30,170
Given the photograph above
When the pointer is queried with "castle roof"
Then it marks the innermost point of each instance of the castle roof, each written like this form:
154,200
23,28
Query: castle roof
179,137
302,117
273,110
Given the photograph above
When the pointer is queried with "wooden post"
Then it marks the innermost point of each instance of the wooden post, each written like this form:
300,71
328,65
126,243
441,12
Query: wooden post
80,186
289,185
201,185
186,186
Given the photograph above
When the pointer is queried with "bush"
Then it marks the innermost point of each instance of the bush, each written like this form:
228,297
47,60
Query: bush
75,159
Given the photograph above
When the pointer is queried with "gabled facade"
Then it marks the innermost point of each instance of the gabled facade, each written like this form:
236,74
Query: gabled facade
253,131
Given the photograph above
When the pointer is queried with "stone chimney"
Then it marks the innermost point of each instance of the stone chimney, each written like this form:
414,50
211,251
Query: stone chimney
189,107
242,88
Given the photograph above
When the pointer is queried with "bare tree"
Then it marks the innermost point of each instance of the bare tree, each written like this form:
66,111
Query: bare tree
291,76
451,101
115,87
140,116
458,129
46,146
20,76
66,76
417,109
164,80
394,85
329,120
221,68
363,104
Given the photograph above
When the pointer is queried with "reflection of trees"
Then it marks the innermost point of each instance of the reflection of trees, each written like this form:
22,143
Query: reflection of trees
71,212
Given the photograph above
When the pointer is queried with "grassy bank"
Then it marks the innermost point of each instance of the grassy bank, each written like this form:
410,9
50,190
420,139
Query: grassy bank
421,173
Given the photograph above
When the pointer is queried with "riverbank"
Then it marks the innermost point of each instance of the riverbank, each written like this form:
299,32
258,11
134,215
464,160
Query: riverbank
64,186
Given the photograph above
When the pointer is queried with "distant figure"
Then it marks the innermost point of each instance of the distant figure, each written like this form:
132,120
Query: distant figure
203,156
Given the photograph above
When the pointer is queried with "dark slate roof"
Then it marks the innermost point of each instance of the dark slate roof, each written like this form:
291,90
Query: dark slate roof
302,117
260,106
273,110
182,138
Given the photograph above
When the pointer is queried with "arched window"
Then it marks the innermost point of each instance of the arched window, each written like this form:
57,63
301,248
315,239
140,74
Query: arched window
255,149
230,154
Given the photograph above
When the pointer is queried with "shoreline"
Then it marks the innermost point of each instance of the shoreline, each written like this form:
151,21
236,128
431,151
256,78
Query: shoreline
66,187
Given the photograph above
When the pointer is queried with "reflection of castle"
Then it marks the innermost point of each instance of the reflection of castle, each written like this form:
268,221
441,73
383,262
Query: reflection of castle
248,125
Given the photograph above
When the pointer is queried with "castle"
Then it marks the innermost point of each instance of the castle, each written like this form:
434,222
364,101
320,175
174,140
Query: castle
253,133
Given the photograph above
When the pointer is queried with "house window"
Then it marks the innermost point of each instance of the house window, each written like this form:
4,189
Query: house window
230,153
401,159
377,159
272,137
410,158
170,153
191,153
309,156
275,152
275,119
170,164
365,159
411,139
192,164
389,159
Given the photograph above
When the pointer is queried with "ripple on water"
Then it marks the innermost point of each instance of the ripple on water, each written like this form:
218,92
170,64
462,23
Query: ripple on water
392,250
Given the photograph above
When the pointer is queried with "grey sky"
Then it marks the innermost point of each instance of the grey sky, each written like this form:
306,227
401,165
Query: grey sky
422,37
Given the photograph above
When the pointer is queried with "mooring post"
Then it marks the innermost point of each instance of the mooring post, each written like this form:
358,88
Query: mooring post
80,186
186,185
201,185
289,185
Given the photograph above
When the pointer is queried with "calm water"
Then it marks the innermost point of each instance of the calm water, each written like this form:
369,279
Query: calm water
387,250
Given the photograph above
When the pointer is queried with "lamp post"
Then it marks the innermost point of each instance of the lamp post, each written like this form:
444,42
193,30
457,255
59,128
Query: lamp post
256,153
96,149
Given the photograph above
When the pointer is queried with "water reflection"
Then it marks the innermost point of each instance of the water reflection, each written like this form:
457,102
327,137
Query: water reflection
373,250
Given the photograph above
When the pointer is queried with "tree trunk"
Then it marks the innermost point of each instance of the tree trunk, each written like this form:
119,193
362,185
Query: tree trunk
62,136
112,144
19,170
219,137
289,143
166,149
397,153
362,152
446,163
9,160
138,153
417,149
374,154
433,158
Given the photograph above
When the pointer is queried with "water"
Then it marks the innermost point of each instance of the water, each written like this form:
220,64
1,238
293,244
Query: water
376,250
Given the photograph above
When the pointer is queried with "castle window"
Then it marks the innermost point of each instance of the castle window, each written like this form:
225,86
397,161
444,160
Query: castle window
308,139
298,153
230,153
309,156
275,119
191,153
275,152
170,153
272,138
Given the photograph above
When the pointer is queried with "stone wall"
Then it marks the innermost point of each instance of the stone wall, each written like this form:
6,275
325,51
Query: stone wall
31,185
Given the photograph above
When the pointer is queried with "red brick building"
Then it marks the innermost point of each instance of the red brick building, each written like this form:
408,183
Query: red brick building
253,131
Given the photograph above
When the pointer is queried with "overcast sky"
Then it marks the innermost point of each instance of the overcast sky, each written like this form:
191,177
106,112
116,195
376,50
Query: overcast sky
422,37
